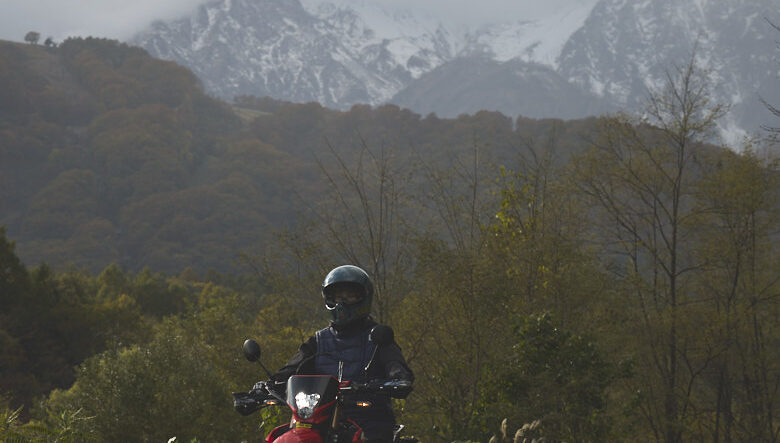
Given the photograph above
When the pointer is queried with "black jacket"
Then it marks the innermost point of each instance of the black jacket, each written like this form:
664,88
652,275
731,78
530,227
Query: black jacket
389,362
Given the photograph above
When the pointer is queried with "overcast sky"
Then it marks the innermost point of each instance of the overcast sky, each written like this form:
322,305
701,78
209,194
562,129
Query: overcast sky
99,18
120,19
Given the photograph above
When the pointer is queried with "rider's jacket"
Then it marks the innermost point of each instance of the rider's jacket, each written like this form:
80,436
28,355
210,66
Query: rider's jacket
352,349
351,343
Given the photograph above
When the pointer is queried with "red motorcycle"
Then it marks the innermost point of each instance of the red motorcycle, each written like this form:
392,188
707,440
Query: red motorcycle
316,402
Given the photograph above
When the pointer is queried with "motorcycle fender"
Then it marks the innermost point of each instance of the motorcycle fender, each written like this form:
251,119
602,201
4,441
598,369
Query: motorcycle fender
276,432
299,435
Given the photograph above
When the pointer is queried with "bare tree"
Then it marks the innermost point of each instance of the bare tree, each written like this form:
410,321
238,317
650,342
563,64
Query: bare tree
740,194
640,178
365,220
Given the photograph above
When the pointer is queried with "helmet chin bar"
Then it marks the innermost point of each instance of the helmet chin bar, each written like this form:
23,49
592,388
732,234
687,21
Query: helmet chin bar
342,314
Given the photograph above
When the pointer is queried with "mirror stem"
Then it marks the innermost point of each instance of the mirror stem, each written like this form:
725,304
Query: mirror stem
264,368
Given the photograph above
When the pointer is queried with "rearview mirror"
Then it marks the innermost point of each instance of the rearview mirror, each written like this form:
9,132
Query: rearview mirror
381,335
251,350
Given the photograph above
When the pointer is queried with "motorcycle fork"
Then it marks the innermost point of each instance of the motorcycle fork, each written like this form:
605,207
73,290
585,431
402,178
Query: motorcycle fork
336,416
337,407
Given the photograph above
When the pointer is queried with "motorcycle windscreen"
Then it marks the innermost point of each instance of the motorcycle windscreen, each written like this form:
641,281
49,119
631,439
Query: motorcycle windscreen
308,393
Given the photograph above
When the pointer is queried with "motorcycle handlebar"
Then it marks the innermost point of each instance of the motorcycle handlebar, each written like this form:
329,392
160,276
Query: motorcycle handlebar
258,397
389,387
262,395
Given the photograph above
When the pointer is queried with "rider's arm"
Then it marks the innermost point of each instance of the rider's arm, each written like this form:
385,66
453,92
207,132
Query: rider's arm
306,350
394,363
395,367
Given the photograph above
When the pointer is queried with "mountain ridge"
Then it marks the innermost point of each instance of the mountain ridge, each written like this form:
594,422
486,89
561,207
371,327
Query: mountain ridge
606,55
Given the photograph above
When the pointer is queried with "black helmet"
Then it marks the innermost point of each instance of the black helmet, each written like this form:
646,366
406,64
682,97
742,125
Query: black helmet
348,292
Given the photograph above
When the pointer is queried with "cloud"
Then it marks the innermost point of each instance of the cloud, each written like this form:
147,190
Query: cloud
120,19
478,12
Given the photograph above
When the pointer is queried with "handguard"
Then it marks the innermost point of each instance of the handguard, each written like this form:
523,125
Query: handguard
398,388
393,388
246,402
262,394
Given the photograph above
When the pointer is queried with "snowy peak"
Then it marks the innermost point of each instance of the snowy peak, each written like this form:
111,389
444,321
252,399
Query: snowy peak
537,40
339,52
626,47
605,53
274,48
416,43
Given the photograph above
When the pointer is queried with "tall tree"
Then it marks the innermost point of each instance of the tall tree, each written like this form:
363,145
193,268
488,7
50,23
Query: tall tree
365,219
640,175
15,287
741,195
455,320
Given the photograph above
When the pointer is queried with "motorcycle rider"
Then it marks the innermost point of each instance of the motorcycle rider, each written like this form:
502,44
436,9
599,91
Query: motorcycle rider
348,291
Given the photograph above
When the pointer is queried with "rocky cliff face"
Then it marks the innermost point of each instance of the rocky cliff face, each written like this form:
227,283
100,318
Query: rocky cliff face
625,48
596,56
280,49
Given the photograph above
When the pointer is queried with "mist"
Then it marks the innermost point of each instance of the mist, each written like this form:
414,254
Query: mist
59,19
121,19
474,13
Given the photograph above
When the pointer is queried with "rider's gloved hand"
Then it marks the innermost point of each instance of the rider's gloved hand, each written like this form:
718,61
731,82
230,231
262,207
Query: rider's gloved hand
398,388
260,388
280,388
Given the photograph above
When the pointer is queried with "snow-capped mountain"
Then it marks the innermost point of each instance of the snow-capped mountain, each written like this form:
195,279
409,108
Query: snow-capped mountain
536,40
591,57
337,52
625,48
326,53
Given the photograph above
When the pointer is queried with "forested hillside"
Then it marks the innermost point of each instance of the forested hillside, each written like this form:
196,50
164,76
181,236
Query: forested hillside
610,279
111,156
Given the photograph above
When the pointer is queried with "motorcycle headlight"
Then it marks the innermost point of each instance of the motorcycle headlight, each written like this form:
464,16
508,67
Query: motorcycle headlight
306,404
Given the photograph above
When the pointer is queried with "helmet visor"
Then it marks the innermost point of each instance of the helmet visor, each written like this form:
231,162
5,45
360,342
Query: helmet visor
345,293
